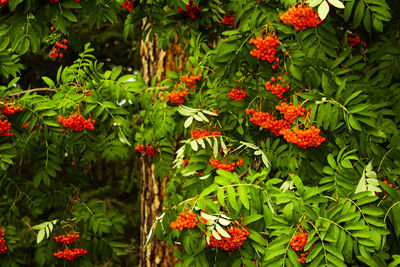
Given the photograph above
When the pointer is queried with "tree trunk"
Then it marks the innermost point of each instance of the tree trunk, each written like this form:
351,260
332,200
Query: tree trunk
154,62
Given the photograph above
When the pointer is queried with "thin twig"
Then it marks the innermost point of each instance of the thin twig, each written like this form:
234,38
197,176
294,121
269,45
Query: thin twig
32,90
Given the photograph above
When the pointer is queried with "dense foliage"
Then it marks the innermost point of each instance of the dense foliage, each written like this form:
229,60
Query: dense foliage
278,137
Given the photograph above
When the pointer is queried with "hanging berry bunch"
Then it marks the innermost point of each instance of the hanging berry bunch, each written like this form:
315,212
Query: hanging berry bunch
3,247
303,138
5,127
56,51
191,10
201,133
290,111
67,239
267,121
9,108
301,17
237,235
277,88
127,5
353,41
237,94
229,167
69,253
76,122
229,19
265,47
191,81
178,97
149,150
185,220
3,3
298,243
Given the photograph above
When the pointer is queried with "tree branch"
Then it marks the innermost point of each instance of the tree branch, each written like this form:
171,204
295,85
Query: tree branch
32,90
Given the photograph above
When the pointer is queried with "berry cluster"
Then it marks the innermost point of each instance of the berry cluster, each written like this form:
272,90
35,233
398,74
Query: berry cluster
386,182
9,108
304,138
265,47
277,89
76,122
185,162
267,121
178,97
5,127
184,220
70,254
237,94
355,41
127,5
225,166
202,220
66,239
191,81
298,243
56,52
235,241
191,10
149,150
3,246
301,17
199,133
3,3
229,19
291,112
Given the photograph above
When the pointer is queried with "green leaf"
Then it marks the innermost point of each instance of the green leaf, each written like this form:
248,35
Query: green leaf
354,123
14,3
221,196
367,20
395,262
222,231
347,10
194,145
293,258
242,191
252,218
209,190
336,3
188,122
378,25
40,235
69,15
323,10
70,4
332,162
253,235
336,261
295,72
358,13
230,191
48,81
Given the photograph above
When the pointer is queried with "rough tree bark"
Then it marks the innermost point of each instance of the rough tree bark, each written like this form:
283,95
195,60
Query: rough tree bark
154,62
